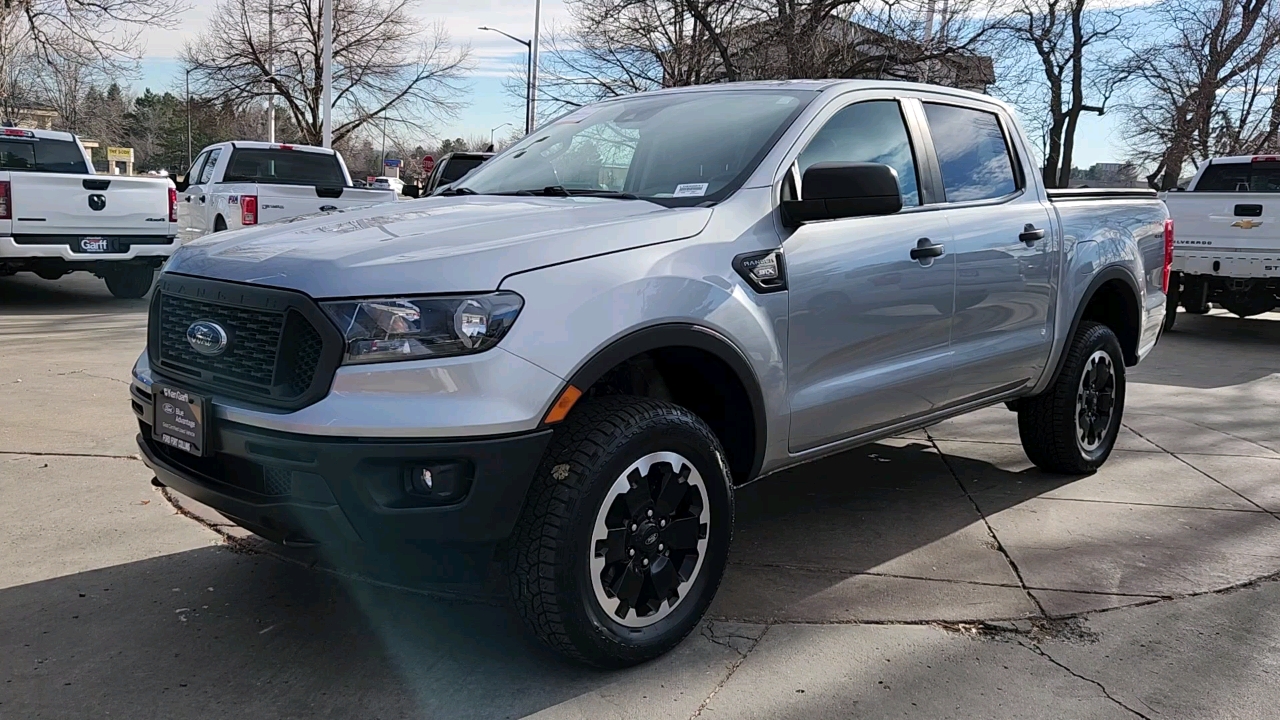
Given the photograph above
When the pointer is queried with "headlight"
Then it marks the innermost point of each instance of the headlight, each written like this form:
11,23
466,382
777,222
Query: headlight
413,328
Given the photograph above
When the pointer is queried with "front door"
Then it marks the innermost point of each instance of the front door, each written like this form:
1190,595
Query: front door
869,325
188,201
1006,253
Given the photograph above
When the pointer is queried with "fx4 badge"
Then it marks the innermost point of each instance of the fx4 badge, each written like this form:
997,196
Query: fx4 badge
1246,224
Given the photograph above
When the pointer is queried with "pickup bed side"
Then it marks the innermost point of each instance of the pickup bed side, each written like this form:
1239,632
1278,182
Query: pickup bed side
1113,269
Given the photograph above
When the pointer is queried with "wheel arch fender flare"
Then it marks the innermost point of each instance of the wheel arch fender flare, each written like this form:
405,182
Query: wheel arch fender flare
673,335
1106,275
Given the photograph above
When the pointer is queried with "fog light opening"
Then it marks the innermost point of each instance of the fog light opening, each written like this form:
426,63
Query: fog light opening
439,482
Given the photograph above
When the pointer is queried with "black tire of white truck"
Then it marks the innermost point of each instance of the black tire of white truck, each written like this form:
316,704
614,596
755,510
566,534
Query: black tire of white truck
1072,426
600,524
129,282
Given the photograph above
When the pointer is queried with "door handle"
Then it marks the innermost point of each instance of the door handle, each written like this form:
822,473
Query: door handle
925,249
1030,234
186,198
201,198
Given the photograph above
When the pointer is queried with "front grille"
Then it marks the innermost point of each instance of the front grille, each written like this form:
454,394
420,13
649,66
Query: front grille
281,351
254,339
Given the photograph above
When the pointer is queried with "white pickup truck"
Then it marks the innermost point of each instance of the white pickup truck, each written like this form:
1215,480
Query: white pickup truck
57,216
1227,249
239,184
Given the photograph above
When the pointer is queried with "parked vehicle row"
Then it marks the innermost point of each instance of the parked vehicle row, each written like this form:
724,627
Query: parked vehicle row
1228,245
57,216
570,358
241,184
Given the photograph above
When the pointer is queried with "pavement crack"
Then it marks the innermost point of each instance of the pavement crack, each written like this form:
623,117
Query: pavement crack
1107,693
1204,427
1175,456
135,456
733,668
89,374
986,523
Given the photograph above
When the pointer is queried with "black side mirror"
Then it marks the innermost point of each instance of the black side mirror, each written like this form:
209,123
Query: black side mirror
843,190
179,181
410,191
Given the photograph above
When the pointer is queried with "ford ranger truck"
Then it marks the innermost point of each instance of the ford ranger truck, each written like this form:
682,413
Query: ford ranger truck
240,184
1228,246
58,217
573,356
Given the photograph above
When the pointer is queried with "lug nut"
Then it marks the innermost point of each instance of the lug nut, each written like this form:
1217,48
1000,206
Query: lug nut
645,562
631,552
661,547
633,527
649,512
662,522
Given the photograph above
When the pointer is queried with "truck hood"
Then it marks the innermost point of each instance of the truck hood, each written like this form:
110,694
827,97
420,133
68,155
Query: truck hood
432,245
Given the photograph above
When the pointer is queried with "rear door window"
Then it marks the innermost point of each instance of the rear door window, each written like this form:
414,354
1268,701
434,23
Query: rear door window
206,174
284,167
42,155
457,167
1256,177
974,157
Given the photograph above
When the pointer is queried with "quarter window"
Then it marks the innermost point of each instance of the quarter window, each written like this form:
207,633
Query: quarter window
972,153
867,132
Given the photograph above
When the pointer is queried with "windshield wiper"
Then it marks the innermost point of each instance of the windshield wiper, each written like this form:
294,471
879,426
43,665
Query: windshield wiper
562,191
457,191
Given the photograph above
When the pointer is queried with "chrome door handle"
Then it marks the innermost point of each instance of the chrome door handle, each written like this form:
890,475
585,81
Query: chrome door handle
1030,234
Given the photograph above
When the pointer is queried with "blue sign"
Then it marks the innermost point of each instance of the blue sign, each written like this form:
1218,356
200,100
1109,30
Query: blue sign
392,162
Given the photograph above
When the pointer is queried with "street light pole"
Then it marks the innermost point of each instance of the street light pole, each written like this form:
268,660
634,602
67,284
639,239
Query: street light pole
327,130
491,132
188,73
528,77
533,67
271,71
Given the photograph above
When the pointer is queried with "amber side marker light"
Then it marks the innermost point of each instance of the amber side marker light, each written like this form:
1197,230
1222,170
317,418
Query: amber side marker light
563,405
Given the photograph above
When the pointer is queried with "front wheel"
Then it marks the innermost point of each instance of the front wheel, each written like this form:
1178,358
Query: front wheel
130,282
625,532
1071,427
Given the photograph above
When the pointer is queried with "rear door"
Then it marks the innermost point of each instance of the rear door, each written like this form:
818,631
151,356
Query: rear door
1006,250
1232,207
868,326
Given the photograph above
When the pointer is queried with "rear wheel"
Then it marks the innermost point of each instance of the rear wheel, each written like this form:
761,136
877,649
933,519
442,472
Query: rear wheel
129,282
1072,427
625,532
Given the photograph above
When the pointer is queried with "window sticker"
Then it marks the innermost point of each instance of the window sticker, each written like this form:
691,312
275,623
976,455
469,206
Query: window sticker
690,190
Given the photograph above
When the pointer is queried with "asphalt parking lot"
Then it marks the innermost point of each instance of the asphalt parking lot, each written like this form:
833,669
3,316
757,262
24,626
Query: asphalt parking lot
934,575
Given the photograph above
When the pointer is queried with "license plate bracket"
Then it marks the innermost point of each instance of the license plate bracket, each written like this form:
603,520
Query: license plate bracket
181,419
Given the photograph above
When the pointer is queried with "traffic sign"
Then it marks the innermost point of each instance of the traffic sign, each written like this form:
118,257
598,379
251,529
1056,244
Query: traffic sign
428,164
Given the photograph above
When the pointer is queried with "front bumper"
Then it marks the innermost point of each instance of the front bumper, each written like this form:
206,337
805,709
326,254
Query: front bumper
317,489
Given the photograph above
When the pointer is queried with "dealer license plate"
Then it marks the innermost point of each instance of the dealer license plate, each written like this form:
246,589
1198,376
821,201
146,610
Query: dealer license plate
181,419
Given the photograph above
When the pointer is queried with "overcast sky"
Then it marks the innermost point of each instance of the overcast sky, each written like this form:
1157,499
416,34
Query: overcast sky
488,105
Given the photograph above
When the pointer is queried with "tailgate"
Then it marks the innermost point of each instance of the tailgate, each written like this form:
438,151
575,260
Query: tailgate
283,202
1226,222
57,204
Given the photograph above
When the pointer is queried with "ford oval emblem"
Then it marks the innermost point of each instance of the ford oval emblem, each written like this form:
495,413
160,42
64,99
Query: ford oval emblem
207,337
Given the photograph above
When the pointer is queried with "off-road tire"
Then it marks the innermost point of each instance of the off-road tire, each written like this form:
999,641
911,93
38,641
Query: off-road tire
548,554
1047,422
129,283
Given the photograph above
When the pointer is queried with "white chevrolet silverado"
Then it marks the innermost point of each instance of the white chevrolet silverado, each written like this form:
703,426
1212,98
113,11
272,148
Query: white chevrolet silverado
239,184
1227,249
57,216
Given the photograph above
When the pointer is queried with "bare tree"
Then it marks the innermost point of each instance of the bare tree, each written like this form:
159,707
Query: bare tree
1071,54
616,47
387,63
102,31
1199,81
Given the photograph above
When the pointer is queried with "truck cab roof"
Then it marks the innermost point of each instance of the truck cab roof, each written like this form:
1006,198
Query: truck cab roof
17,132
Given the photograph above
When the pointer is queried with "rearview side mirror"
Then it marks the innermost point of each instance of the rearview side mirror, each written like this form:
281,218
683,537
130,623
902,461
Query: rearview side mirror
833,190
179,181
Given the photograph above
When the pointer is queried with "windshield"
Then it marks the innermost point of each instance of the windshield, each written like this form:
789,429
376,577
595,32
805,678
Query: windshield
284,167
42,155
677,149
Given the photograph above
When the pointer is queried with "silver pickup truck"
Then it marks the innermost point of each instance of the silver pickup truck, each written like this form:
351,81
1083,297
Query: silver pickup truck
569,359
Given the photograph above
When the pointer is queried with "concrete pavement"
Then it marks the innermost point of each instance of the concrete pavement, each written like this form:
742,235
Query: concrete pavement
933,575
